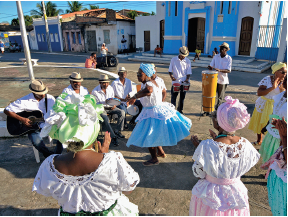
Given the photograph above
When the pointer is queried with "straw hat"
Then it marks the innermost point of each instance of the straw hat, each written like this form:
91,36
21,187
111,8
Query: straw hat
104,78
38,87
122,69
76,76
224,44
184,51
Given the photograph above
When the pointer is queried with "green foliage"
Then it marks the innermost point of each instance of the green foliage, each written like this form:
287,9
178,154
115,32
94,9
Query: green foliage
91,7
51,10
153,13
74,6
27,18
132,14
146,14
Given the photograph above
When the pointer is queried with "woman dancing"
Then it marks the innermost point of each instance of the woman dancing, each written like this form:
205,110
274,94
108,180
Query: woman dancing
159,124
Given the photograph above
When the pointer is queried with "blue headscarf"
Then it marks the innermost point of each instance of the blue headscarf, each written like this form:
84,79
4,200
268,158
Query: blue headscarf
148,69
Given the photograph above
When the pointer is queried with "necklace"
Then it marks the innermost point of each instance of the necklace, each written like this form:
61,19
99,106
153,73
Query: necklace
224,135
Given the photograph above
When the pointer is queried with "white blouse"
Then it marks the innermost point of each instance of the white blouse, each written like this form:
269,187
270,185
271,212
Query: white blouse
155,98
260,103
93,192
223,161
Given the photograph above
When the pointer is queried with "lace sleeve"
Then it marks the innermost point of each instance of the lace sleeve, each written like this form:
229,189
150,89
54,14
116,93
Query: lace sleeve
198,171
265,82
127,177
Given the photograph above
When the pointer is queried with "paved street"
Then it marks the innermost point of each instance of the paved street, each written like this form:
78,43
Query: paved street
164,189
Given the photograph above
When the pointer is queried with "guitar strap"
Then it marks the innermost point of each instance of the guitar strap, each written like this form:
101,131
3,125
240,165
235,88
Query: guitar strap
46,102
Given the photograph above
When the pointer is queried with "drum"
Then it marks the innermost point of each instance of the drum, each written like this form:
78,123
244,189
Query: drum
113,101
133,110
209,86
176,87
186,86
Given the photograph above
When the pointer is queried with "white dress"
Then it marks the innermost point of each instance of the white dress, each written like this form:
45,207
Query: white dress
223,161
93,192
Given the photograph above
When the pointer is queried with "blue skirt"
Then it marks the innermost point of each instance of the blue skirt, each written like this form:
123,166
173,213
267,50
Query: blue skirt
152,132
277,194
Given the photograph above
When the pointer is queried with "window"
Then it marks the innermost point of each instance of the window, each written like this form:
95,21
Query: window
106,36
230,7
79,37
221,7
74,38
176,8
169,9
43,37
51,37
39,37
56,37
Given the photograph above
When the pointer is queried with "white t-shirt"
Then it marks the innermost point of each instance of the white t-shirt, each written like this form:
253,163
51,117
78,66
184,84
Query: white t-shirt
101,96
222,63
70,90
180,69
121,90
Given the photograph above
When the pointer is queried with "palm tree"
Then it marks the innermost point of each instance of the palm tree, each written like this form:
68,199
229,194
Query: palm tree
132,14
74,6
51,10
91,7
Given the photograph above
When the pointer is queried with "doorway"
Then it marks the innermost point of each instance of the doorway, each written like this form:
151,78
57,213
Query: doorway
162,24
196,34
68,41
246,36
146,40
91,39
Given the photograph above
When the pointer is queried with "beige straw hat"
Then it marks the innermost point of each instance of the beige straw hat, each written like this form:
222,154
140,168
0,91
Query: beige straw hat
104,78
224,44
76,76
184,51
38,87
122,69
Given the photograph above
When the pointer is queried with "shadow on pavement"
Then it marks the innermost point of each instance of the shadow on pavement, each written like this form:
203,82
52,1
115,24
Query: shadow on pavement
12,211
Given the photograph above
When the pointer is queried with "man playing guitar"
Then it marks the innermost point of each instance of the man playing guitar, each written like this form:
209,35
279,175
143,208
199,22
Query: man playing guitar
37,100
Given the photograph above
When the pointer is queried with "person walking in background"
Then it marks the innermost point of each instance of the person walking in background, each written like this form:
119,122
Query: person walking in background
91,62
180,71
2,47
223,64
124,46
197,53
104,50
269,87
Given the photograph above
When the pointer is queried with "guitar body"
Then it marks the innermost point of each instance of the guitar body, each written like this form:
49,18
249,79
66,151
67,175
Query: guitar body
17,128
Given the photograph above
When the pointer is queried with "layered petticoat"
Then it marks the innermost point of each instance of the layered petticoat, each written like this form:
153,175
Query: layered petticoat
159,125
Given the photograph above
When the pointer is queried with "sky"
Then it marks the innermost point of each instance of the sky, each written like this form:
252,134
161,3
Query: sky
8,9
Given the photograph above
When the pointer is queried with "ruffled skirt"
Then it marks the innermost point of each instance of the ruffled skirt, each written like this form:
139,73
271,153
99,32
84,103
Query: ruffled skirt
277,194
198,208
153,130
268,147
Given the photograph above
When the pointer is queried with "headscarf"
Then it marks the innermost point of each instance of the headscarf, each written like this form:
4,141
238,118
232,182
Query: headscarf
148,69
275,67
232,115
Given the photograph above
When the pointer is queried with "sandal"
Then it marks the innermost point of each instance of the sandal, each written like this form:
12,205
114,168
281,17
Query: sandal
162,155
256,143
150,163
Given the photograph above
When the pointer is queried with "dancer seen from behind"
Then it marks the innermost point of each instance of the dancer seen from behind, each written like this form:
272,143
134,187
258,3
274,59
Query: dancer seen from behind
220,162
269,87
272,139
277,173
87,180
159,124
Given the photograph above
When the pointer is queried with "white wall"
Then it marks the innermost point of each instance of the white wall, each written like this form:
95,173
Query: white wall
249,9
152,24
129,29
283,42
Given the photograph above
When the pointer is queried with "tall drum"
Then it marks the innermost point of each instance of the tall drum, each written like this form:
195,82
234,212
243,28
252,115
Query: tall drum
209,86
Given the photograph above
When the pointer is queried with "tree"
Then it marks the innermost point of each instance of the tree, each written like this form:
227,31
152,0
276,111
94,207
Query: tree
146,14
152,13
74,6
91,7
132,14
51,10
28,21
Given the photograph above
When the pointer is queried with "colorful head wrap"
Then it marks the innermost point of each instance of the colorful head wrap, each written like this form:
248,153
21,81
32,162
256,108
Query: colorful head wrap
232,115
148,69
275,67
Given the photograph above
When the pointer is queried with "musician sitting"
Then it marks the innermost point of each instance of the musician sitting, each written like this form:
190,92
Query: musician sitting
75,85
37,100
103,92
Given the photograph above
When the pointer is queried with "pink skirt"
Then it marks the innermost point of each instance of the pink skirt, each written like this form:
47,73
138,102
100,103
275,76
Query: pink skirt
198,208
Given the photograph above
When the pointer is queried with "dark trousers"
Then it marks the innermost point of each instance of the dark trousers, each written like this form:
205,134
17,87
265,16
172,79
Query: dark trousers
137,103
181,99
124,108
39,144
221,88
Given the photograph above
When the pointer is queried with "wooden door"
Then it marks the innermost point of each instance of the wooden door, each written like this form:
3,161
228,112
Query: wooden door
201,33
91,40
246,36
162,23
68,41
146,40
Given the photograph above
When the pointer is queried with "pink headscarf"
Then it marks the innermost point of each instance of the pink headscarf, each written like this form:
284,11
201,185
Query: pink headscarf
232,115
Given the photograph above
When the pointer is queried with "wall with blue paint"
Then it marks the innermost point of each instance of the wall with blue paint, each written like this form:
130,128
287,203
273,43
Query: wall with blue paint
52,30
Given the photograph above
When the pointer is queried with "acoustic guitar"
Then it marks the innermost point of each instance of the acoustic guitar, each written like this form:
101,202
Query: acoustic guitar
17,128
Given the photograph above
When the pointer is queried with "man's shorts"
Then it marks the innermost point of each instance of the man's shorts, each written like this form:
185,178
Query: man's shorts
2,48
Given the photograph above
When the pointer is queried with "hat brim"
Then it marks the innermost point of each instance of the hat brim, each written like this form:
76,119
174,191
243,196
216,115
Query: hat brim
104,80
182,54
38,92
224,46
75,79
122,71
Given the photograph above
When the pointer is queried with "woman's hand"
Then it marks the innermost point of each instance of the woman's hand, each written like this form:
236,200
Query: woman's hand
195,141
131,101
104,148
276,82
212,134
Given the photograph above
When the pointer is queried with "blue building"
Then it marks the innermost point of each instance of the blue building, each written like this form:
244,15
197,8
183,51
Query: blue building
55,31
249,27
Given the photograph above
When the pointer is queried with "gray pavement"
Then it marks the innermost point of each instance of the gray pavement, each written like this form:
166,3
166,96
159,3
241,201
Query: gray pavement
164,189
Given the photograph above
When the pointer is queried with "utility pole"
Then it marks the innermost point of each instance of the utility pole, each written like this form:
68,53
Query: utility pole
25,40
47,29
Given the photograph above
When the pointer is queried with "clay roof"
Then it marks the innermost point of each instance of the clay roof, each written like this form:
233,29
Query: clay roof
118,16
80,12
139,12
